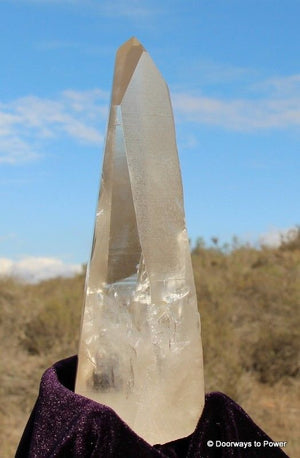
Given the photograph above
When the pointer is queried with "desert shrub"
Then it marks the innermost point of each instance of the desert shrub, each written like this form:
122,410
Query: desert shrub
249,305
57,323
54,324
275,357
221,359
292,240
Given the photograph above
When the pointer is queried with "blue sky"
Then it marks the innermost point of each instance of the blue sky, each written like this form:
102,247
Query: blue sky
233,71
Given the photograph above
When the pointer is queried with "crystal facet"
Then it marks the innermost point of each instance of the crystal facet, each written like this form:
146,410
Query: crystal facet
140,348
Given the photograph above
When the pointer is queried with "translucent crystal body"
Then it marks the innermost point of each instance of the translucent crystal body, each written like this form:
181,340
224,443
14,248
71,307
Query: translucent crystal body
140,348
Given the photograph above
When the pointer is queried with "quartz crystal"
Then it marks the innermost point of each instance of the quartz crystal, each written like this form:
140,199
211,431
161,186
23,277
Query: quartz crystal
140,348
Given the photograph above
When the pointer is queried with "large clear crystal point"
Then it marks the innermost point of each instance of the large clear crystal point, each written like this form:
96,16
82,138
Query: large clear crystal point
140,348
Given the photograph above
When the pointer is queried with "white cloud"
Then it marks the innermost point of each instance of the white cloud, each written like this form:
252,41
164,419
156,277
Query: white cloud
271,104
13,150
280,86
239,114
28,121
275,237
35,269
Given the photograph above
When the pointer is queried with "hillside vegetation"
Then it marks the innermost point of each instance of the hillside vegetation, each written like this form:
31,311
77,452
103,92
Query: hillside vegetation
249,304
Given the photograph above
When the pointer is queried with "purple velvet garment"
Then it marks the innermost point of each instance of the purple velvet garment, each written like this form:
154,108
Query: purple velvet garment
65,424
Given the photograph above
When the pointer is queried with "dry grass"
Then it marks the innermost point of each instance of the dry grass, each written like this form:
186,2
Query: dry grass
249,303
29,311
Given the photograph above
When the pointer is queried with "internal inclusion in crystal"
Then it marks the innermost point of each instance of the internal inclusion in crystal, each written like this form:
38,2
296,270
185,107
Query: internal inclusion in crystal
126,323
